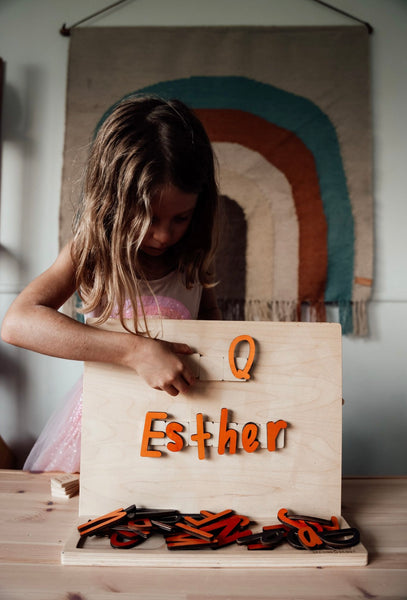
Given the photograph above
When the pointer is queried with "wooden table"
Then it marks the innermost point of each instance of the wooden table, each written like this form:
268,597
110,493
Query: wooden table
34,527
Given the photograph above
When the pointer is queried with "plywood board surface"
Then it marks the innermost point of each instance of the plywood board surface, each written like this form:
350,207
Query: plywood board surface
296,377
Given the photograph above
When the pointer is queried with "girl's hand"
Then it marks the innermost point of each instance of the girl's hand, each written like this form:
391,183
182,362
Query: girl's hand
160,365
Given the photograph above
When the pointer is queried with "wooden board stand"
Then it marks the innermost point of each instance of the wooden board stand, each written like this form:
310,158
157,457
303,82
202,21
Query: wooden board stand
154,553
289,399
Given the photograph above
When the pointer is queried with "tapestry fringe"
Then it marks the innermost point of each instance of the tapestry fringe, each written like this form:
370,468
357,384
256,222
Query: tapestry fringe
359,317
232,310
352,315
317,312
257,310
346,316
284,310
274,310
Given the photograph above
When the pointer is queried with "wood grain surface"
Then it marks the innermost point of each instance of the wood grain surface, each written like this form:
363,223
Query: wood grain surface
296,377
34,528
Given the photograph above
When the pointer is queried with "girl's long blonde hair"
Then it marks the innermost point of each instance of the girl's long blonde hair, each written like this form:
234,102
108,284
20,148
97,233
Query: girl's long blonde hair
141,145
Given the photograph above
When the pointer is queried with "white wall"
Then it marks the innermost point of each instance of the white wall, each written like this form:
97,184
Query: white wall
374,376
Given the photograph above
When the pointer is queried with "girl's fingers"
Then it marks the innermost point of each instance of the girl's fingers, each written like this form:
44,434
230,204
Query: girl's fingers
170,389
179,348
169,374
185,381
188,376
180,384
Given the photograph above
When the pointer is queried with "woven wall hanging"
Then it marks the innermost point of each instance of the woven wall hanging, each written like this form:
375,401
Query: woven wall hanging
288,112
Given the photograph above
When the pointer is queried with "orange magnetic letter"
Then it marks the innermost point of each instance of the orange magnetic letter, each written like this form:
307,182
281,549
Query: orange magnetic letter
148,433
172,431
200,436
241,373
226,435
273,429
249,437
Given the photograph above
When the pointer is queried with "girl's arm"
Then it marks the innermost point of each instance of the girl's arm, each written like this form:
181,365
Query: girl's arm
208,308
34,322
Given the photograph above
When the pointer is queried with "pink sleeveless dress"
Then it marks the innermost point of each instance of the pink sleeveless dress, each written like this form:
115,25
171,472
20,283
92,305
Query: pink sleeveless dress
58,446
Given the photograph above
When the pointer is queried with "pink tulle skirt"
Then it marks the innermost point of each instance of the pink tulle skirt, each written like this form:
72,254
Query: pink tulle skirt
58,447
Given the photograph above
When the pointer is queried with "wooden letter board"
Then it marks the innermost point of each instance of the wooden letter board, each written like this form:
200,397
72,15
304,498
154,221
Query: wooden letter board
296,377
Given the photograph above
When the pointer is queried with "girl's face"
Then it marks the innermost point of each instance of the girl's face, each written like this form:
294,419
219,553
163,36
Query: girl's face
172,211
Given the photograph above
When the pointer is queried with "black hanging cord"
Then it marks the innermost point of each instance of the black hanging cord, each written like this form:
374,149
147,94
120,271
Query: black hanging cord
342,12
66,31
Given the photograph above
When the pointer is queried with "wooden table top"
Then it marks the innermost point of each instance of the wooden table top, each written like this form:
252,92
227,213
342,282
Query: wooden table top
34,527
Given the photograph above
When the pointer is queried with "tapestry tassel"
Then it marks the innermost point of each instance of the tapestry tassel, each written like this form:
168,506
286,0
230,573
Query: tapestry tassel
317,312
346,317
360,320
275,310
232,310
284,310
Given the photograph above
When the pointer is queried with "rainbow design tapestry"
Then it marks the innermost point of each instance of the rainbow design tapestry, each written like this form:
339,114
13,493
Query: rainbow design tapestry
288,112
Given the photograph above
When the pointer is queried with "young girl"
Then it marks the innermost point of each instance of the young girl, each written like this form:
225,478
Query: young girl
143,246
